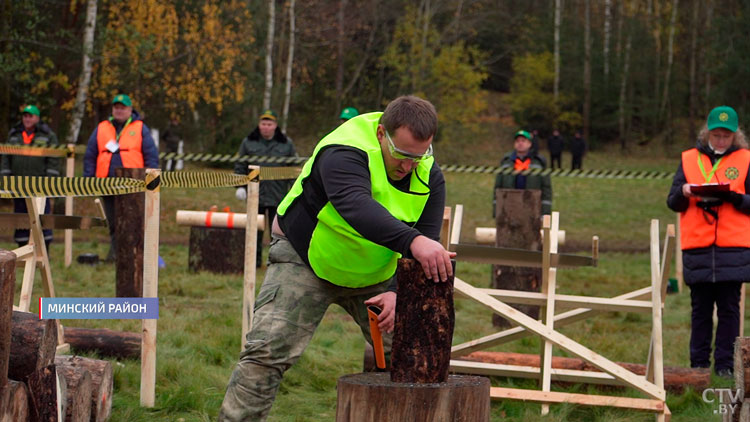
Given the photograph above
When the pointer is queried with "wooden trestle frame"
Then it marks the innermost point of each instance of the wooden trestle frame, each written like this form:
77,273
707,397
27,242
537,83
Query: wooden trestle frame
646,300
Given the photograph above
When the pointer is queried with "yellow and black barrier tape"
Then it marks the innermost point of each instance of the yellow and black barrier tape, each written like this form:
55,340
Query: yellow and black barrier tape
268,174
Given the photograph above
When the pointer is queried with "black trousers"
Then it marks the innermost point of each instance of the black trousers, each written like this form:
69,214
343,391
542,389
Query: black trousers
577,161
21,236
270,213
726,297
555,158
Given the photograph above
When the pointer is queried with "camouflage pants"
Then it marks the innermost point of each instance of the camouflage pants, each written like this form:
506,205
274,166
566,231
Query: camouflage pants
288,309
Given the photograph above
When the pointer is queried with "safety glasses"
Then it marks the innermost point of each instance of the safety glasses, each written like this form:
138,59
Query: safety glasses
403,155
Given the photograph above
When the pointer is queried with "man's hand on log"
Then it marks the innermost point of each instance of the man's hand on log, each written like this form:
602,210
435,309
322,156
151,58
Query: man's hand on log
435,260
387,303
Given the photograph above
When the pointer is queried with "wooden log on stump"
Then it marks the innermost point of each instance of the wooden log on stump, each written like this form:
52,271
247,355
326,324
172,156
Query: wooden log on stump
47,395
423,330
742,379
216,249
117,344
518,220
14,402
676,379
101,383
7,286
33,344
373,397
129,224
78,380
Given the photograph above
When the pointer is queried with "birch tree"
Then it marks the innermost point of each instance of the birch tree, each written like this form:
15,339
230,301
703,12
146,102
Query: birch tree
693,58
289,63
556,88
85,78
623,91
607,30
587,69
670,57
269,54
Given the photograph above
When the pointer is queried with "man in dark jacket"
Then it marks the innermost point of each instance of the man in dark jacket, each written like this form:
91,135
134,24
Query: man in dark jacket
266,140
521,159
30,131
556,144
123,140
172,136
578,149
713,235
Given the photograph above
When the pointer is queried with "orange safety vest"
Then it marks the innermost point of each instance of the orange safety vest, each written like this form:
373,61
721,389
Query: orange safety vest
520,165
731,228
131,142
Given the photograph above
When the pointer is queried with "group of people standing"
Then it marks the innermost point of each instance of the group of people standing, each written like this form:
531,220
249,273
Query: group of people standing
556,146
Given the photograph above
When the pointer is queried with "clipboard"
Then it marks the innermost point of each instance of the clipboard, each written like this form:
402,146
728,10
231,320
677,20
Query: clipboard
709,189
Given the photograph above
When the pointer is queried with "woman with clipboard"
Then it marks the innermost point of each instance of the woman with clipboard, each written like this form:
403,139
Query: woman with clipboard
710,191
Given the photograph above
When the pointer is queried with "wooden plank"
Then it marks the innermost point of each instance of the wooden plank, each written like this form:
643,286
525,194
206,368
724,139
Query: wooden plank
657,371
458,217
561,341
742,311
150,288
516,333
27,285
445,228
584,399
532,372
24,252
666,260
251,246
678,257
70,168
549,274
571,301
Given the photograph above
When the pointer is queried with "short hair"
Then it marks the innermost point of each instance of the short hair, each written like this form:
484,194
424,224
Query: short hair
414,113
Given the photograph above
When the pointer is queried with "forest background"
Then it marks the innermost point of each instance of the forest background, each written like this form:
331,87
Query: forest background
630,73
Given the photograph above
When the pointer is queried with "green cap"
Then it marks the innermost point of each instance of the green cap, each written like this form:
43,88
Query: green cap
31,109
348,113
523,133
122,99
268,114
722,116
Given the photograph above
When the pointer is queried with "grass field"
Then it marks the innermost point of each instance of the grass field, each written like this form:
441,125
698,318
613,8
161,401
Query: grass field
199,325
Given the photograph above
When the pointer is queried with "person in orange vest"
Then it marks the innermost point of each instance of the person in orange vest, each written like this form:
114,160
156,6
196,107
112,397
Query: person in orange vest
522,158
714,228
33,132
123,140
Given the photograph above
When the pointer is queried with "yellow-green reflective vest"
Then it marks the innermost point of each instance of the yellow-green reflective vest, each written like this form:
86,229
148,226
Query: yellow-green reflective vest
337,252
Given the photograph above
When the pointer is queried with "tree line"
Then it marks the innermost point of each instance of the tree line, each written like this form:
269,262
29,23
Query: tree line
622,71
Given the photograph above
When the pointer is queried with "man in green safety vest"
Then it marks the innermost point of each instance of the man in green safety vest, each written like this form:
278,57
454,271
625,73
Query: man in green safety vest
370,193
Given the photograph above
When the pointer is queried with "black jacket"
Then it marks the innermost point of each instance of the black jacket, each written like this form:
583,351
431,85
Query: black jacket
555,145
18,165
711,264
271,191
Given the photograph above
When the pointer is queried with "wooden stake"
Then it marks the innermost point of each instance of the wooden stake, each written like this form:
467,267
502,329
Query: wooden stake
678,257
150,285
549,284
251,247
445,228
458,217
70,168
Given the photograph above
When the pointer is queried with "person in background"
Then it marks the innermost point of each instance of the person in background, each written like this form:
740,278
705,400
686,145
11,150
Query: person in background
521,159
578,149
714,235
535,145
555,144
33,132
172,136
370,193
348,113
265,140
123,140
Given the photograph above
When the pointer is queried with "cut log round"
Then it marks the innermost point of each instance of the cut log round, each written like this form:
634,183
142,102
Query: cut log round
216,249
216,219
117,344
78,380
14,402
374,397
33,344
423,330
7,286
46,394
101,383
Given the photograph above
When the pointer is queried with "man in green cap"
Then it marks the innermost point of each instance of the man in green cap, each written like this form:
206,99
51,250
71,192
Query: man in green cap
348,113
265,140
714,226
123,140
33,132
521,158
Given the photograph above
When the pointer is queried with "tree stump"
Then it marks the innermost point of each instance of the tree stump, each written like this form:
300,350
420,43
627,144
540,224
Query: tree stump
374,397
217,249
101,383
33,344
78,380
129,226
7,286
423,330
14,402
117,344
47,394
518,220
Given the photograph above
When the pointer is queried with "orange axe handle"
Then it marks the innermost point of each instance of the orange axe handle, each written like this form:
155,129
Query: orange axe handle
377,338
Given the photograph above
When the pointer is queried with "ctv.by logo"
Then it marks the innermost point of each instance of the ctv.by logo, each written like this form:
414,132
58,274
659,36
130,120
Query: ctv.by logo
728,399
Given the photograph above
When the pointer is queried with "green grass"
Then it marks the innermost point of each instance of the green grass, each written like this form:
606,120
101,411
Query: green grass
199,325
